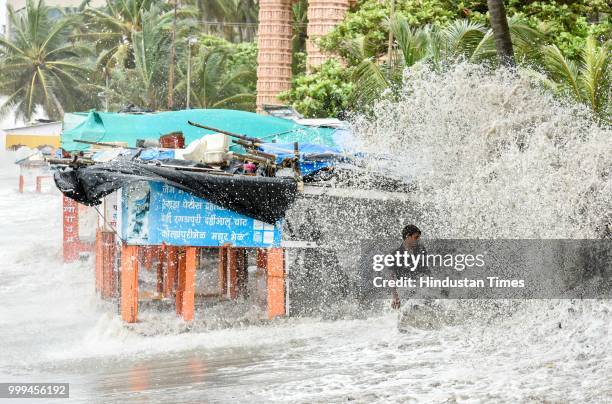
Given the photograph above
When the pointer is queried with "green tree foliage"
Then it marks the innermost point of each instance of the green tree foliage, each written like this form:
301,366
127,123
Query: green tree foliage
121,51
368,20
298,41
145,84
587,79
448,30
459,40
112,28
223,75
40,67
566,24
229,19
323,93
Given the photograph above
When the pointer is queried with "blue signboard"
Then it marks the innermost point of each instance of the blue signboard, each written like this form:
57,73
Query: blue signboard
154,213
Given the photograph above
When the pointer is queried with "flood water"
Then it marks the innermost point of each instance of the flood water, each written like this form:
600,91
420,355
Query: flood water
54,328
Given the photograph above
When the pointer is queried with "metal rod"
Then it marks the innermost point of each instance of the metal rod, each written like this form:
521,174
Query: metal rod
195,169
296,162
247,157
69,162
104,144
255,151
236,135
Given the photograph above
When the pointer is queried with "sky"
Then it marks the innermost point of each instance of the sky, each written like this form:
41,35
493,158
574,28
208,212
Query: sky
2,16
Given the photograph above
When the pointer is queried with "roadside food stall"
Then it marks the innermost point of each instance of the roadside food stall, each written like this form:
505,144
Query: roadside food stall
170,186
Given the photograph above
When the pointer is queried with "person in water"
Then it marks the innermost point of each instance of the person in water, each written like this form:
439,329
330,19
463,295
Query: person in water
410,236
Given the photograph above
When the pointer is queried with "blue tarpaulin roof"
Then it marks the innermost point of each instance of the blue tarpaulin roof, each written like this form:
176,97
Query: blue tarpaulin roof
285,150
127,127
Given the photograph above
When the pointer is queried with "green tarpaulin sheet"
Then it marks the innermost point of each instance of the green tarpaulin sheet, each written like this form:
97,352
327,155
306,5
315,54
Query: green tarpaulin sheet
120,127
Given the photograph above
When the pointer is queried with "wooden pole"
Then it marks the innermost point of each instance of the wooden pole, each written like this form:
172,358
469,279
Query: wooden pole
39,179
223,270
232,273
147,257
70,229
172,255
99,260
129,283
160,270
188,284
276,282
180,284
108,263
242,275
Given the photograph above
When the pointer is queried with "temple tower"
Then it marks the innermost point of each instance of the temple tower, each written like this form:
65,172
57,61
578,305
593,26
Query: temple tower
274,55
323,16
274,42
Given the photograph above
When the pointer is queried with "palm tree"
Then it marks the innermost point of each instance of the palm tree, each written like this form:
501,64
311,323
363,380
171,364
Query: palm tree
587,80
242,13
228,17
146,83
299,10
214,87
40,67
112,27
501,32
461,39
213,10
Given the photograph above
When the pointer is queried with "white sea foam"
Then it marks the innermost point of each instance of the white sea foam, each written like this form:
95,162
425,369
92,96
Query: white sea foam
492,156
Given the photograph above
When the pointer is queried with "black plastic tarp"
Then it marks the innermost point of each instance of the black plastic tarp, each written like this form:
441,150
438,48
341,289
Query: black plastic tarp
262,198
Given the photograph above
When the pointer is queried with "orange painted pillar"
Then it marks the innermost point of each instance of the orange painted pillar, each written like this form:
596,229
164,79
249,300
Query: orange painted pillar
180,284
129,283
39,183
160,269
262,261
232,273
147,257
262,258
99,258
188,280
21,183
70,229
172,258
242,275
276,282
108,247
223,270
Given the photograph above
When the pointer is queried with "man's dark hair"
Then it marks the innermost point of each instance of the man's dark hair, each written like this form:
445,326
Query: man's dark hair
409,231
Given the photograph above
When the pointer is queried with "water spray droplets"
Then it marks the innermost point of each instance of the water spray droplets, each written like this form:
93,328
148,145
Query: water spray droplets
493,156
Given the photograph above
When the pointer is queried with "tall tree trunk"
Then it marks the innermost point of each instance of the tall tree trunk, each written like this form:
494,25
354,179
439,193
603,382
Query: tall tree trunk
58,105
501,32
172,61
390,41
